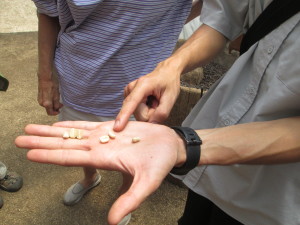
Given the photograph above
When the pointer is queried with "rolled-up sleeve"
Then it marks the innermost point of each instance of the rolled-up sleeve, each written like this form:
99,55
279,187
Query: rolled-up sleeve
227,17
47,7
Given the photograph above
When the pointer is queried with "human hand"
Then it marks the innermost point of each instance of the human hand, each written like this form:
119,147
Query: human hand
151,97
147,162
48,95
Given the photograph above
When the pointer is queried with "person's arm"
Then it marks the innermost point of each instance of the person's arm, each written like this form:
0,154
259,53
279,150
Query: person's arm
48,94
198,50
271,142
147,162
163,83
160,149
195,11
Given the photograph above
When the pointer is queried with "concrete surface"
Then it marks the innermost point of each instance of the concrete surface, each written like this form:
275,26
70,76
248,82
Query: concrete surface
39,202
17,16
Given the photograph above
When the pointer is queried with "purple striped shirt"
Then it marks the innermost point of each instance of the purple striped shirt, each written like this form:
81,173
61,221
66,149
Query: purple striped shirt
105,44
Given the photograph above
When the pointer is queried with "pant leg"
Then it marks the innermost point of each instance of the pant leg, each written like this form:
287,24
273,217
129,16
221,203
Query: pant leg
219,217
3,170
197,210
201,211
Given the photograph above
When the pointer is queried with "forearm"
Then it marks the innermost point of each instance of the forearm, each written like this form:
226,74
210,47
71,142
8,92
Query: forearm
198,50
47,38
272,142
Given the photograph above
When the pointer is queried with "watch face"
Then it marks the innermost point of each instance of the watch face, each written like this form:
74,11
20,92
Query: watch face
3,83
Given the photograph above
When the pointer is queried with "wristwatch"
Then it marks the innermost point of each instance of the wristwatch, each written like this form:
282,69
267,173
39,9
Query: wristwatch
193,148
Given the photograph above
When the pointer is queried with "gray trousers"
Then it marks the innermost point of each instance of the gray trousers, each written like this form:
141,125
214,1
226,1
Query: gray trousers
3,170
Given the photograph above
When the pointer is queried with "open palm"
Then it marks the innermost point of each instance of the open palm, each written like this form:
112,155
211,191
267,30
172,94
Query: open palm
147,161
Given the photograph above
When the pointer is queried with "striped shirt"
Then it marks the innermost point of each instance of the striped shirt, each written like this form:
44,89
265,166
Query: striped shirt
105,44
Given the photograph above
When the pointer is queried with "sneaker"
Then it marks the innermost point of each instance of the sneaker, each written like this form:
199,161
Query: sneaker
125,220
12,182
77,191
1,202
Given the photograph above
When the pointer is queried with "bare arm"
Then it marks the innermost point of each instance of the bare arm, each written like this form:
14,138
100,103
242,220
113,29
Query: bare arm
270,142
205,44
160,149
48,96
48,28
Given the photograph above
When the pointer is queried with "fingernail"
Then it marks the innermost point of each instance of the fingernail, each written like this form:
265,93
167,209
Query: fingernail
117,123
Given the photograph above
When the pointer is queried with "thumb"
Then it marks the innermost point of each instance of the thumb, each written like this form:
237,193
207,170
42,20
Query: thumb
142,112
162,111
131,200
130,104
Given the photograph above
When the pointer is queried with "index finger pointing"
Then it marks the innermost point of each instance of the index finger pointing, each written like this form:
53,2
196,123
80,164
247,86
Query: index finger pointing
130,104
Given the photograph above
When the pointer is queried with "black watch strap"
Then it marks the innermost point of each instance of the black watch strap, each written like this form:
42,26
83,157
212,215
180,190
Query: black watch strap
193,149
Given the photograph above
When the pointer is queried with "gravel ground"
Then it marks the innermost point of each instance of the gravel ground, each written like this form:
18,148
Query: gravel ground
204,77
210,74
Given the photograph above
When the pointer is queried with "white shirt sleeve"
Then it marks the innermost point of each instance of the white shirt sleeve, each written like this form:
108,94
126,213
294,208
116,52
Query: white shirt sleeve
227,17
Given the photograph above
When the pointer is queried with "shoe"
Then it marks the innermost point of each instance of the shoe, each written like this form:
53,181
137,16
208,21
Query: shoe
12,182
1,202
77,191
125,220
